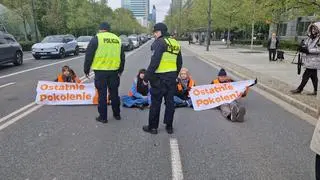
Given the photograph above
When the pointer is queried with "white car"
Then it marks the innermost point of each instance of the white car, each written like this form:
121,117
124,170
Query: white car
135,41
57,46
83,42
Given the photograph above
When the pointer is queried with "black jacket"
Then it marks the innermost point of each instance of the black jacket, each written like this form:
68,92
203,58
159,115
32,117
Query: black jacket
158,47
90,53
277,43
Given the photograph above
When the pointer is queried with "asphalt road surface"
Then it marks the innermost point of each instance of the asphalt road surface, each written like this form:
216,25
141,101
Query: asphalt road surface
65,142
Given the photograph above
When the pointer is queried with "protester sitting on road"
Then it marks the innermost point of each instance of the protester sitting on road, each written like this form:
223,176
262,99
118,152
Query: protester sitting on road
67,75
139,95
232,111
184,85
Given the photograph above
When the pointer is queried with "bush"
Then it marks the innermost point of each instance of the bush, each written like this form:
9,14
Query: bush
26,45
284,45
248,42
182,39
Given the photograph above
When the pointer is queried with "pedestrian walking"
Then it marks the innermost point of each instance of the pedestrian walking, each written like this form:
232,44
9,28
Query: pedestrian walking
105,56
273,45
190,39
166,62
310,59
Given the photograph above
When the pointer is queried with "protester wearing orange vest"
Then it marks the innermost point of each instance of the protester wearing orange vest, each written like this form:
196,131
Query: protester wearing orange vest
184,85
67,75
232,111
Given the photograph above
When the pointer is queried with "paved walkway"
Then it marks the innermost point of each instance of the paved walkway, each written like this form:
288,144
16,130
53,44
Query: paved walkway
277,78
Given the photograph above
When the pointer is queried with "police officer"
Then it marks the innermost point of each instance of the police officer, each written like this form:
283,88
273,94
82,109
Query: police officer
105,56
162,73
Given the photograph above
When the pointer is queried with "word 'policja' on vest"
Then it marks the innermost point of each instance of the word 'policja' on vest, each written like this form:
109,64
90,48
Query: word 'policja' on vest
109,40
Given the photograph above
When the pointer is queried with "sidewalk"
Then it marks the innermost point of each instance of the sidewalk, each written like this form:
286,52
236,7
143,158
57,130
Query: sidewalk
277,78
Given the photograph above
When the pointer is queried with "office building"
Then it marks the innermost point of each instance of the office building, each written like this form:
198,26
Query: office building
139,8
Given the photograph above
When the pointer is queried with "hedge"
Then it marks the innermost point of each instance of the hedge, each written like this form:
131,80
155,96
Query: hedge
26,45
284,45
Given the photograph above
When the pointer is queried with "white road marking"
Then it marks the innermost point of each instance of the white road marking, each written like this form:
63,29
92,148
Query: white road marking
40,67
176,166
19,117
17,111
8,84
33,105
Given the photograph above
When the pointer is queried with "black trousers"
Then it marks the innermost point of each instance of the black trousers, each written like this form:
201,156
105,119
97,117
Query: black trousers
273,53
162,89
317,167
309,73
105,81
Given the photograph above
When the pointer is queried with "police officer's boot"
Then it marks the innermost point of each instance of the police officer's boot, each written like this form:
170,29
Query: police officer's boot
99,119
149,130
169,129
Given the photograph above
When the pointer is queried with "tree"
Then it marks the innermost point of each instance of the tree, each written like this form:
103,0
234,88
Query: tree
22,8
227,14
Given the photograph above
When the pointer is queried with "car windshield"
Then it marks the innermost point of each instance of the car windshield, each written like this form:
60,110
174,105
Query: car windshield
124,39
53,39
84,39
133,38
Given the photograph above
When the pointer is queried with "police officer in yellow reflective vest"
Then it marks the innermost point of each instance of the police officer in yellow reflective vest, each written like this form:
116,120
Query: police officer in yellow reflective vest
165,64
105,56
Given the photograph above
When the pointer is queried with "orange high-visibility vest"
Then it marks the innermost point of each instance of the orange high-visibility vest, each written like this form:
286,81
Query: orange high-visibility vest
191,83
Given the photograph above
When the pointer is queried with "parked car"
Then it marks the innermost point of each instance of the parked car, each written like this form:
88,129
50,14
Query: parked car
135,41
56,46
10,50
83,42
126,43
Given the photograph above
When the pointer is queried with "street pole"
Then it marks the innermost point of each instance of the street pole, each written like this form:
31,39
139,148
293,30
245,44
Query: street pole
171,15
180,14
209,26
35,21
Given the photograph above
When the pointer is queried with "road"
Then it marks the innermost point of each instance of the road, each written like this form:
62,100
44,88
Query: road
65,142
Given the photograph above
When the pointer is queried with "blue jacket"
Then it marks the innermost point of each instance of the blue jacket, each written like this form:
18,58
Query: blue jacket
134,93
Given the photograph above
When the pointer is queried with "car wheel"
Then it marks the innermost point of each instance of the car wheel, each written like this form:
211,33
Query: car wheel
18,58
76,52
37,57
62,53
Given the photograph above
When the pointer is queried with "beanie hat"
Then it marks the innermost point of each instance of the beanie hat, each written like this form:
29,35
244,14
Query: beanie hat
105,26
222,72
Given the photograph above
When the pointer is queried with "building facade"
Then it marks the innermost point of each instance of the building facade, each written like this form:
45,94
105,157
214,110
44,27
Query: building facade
139,8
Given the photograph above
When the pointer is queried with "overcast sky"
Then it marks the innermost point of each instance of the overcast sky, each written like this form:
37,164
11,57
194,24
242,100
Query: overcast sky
162,7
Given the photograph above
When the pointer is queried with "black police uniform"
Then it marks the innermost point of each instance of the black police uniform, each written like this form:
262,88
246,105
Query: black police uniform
104,81
163,85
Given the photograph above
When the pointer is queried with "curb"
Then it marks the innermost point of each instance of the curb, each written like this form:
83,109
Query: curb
302,106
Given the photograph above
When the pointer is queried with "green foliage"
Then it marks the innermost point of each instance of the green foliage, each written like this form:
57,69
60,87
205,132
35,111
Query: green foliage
77,17
26,45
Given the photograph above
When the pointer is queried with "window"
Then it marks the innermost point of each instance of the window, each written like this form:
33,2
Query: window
302,28
282,29
10,40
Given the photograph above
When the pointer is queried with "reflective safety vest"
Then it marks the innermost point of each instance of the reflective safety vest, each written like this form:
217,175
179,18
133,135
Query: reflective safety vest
168,61
191,83
107,56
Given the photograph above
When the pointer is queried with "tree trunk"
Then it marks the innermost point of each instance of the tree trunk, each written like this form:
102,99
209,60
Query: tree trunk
252,34
25,29
228,37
